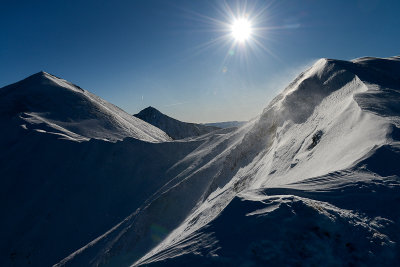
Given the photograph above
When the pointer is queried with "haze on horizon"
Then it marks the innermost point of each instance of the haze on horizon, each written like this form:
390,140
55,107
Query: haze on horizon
180,56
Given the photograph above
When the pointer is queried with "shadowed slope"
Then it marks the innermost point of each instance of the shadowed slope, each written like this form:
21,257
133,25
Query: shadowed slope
174,128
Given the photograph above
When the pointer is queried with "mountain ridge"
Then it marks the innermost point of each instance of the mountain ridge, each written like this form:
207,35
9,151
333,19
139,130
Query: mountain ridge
68,110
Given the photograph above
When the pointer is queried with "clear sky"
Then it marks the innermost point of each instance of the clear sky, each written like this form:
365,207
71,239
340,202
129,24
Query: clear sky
179,57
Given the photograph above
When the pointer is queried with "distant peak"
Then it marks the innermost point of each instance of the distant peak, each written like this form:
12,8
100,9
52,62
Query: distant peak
149,109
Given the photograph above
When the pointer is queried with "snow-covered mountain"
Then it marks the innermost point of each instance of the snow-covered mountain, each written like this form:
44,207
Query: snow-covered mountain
66,176
226,124
314,180
174,128
46,103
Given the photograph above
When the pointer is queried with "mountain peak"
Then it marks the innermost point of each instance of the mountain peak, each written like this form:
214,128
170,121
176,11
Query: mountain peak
38,77
151,113
41,74
150,109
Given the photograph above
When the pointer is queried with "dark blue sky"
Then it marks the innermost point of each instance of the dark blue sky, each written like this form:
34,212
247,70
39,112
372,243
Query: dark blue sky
140,53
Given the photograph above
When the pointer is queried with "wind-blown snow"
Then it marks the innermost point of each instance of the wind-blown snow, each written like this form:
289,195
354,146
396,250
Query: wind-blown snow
314,180
316,127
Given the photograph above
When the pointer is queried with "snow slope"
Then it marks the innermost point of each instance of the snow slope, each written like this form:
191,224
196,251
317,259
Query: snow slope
314,180
174,128
321,191
46,103
57,195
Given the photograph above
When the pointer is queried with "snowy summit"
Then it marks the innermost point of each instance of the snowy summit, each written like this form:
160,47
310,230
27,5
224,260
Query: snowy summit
46,103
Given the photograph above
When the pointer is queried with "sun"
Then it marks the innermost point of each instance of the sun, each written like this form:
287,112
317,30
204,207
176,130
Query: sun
241,29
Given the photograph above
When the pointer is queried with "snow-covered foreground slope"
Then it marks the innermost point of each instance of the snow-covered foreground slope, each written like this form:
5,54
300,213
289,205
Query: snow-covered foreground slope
174,128
46,103
313,181
57,195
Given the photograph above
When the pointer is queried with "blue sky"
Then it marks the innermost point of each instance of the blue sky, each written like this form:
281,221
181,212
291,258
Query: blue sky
168,54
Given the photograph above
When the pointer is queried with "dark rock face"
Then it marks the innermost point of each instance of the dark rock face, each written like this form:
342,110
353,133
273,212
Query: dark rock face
174,128
315,139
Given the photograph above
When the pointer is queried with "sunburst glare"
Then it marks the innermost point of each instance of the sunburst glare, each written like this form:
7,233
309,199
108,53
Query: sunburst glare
241,29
